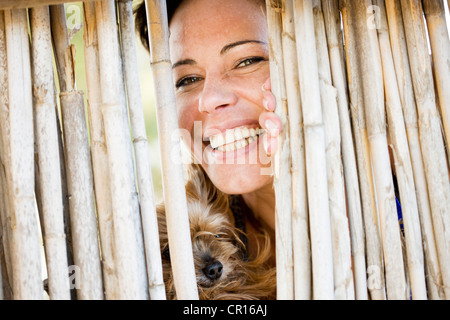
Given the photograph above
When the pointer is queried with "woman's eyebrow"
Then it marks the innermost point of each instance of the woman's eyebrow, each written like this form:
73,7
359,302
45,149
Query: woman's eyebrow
183,62
239,43
224,50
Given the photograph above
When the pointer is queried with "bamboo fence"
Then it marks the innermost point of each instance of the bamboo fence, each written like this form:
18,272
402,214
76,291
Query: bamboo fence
362,93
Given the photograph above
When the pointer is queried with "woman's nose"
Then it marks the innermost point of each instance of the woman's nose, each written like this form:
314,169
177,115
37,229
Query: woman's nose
216,94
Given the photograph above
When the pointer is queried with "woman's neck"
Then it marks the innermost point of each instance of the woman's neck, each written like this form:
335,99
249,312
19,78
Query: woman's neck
262,204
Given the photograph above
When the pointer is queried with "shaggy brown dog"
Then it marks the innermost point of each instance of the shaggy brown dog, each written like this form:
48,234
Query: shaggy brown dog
222,271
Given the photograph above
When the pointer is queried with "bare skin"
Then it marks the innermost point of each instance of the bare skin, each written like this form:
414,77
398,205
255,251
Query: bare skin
220,57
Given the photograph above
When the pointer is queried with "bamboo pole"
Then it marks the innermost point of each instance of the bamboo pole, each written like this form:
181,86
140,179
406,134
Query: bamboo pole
25,251
141,151
78,165
319,212
173,180
375,268
432,144
19,4
281,160
403,166
5,157
343,274
129,247
300,229
372,82
46,134
405,87
335,47
440,48
99,154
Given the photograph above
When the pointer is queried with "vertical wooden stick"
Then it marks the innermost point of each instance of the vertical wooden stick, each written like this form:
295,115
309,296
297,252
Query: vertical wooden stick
99,153
173,180
78,165
432,144
405,87
25,251
5,158
440,48
403,166
141,151
281,160
335,45
316,167
129,248
343,274
375,268
48,155
372,82
300,229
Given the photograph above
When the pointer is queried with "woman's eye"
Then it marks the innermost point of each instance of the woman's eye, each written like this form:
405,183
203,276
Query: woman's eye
250,61
186,81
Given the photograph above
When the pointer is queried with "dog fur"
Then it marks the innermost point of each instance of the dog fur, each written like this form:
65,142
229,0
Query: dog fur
216,241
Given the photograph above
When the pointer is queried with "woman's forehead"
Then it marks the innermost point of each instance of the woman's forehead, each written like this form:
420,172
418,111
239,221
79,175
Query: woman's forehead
200,23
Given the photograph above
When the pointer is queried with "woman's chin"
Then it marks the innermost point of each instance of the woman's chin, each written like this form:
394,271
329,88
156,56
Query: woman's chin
239,179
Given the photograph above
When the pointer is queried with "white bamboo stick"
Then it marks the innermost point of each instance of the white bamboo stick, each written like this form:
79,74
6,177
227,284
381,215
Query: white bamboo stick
316,167
173,180
403,166
46,134
141,151
99,154
81,199
375,268
129,249
372,82
335,45
440,49
16,4
343,274
78,165
432,144
4,156
405,87
281,159
25,251
6,153
300,228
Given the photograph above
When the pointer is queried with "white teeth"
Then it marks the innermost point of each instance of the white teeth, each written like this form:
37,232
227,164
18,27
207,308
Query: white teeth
229,136
245,132
235,139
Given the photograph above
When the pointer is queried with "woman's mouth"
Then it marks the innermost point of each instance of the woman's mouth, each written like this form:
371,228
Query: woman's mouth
234,139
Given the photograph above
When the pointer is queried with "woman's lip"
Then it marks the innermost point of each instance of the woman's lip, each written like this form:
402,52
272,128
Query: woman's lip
223,127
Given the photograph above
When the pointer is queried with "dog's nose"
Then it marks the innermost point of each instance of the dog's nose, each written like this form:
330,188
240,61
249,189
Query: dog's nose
213,270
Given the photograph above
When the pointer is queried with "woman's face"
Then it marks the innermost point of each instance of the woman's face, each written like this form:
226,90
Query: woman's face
220,56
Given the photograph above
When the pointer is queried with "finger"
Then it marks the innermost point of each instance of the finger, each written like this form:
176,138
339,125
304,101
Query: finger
273,126
267,85
271,123
269,101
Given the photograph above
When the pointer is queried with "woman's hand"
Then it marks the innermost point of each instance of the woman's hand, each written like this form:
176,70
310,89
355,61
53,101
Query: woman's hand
269,120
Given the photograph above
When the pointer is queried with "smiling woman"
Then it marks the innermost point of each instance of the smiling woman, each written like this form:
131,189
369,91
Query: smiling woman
221,71
219,52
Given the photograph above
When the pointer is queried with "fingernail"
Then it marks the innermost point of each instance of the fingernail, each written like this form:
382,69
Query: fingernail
271,126
266,144
266,104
